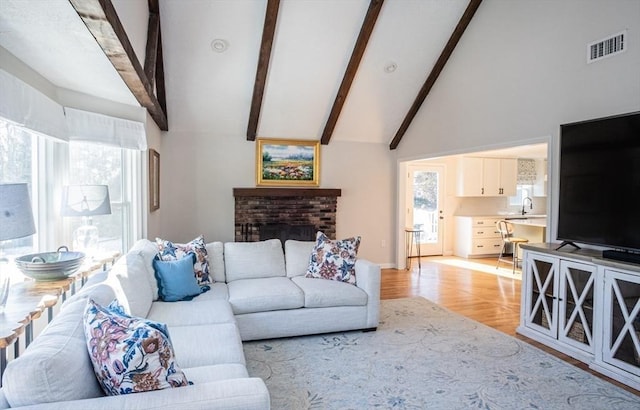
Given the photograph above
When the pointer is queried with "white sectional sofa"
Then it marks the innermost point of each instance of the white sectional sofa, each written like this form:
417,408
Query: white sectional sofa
259,292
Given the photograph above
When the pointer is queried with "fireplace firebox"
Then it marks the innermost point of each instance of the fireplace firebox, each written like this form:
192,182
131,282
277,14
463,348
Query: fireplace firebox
284,213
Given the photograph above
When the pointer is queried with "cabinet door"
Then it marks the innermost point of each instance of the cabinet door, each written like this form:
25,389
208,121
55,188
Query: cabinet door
621,322
470,177
575,313
541,301
508,176
491,176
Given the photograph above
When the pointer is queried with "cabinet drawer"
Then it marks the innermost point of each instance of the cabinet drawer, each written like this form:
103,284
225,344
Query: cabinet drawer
488,222
485,232
486,246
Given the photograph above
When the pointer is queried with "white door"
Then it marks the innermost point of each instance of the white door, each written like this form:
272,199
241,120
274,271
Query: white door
425,203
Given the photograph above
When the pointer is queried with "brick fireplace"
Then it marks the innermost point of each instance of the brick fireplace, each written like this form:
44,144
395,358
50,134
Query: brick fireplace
284,213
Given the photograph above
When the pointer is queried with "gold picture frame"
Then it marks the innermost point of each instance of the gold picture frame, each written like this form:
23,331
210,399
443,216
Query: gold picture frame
282,162
154,180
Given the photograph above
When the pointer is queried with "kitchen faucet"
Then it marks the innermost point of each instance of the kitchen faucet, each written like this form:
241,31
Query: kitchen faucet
524,201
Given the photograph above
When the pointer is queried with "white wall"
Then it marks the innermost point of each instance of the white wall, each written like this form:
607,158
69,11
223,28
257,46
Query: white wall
199,171
520,71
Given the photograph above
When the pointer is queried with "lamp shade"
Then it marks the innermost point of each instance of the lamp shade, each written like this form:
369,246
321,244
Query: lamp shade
16,218
85,200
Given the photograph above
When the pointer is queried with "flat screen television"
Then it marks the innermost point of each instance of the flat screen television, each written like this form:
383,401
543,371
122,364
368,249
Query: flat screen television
599,197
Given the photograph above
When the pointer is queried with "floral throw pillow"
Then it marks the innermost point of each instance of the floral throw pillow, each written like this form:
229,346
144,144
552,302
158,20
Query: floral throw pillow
335,260
129,354
170,251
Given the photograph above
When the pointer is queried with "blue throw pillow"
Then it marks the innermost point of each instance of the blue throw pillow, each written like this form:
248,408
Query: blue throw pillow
176,280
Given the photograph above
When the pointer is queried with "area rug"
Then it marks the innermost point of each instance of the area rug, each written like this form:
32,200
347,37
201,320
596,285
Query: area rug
424,357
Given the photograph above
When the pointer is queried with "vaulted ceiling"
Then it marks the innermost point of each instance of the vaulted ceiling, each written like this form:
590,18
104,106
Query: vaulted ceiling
330,70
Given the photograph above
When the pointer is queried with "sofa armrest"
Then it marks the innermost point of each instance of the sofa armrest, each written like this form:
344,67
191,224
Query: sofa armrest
368,279
232,394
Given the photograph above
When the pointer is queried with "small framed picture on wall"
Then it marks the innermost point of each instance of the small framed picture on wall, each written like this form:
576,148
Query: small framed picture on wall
154,180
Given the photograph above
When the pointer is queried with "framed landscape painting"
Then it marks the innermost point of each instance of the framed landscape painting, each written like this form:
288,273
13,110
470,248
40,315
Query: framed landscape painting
281,162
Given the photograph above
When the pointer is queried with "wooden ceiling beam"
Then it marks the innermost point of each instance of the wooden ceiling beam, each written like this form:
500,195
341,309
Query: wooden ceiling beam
151,54
352,68
268,33
153,62
160,88
436,70
101,19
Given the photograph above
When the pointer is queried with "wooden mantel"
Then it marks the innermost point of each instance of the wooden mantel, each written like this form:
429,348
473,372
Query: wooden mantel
286,192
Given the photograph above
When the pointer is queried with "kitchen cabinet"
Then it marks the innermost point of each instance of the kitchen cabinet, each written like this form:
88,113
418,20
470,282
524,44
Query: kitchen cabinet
476,236
584,306
487,176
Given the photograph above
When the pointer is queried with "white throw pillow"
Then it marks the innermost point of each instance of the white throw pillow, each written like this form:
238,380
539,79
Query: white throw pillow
148,250
132,276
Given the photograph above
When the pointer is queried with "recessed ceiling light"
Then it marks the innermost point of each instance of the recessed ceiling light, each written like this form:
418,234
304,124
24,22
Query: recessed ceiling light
219,45
390,67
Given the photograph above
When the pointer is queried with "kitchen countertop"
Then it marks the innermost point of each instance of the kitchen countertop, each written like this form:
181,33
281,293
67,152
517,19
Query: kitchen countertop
506,216
539,222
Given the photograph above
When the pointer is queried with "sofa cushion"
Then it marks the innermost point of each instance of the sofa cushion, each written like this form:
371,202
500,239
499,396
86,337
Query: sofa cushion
41,373
216,372
102,291
250,260
219,291
175,279
334,260
259,295
328,293
129,355
147,250
130,272
193,312
173,251
215,252
297,255
204,345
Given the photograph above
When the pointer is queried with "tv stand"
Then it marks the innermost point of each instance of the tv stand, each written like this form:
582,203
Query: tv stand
565,243
623,256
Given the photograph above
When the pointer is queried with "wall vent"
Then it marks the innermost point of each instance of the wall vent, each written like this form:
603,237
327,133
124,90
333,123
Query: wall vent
607,47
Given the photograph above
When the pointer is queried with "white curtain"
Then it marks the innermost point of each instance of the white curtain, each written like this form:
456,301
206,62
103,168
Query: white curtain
91,127
27,107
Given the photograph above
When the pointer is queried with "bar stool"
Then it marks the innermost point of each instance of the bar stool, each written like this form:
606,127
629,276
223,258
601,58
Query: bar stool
506,232
412,236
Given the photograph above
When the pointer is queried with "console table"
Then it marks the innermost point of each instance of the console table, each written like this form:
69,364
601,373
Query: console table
29,299
585,306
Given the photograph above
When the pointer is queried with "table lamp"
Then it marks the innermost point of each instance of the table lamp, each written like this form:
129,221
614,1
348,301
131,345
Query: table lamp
16,221
86,201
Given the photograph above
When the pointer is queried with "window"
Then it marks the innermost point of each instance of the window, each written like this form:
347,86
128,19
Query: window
522,191
47,164
96,164
17,153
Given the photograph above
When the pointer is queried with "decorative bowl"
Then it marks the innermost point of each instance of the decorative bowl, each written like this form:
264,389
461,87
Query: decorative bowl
50,266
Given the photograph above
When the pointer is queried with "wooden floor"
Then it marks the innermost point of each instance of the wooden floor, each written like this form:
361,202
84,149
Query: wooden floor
462,286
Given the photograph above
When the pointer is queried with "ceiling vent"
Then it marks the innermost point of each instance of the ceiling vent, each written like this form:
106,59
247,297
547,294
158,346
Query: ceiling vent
607,47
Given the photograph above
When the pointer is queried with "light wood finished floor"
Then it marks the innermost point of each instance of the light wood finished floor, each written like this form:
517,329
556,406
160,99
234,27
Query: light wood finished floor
461,286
